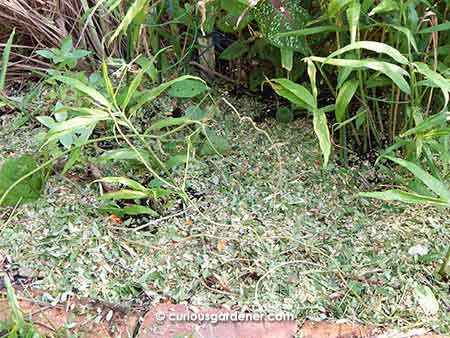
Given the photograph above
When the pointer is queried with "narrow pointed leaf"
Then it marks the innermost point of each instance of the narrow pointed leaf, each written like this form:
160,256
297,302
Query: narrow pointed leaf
373,46
435,185
344,97
394,72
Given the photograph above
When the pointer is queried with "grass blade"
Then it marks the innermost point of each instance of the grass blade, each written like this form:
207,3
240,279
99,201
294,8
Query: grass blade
5,60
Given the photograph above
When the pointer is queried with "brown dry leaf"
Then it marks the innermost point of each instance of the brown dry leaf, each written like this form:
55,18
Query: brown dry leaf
221,245
115,219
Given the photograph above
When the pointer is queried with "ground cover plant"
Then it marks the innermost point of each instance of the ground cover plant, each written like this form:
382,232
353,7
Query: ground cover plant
254,154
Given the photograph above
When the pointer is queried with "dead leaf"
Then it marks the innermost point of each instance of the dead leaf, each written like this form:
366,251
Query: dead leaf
221,245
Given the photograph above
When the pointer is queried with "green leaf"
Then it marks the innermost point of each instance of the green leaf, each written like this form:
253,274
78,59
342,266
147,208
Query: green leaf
405,197
373,46
73,158
80,86
438,28
46,121
409,35
287,58
384,7
344,97
135,9
435,185
74,124
126,154
5,60
434,121
124,181
311,31
132,88
426,299
187,88
215,144
149,66
45,53
353,14
176,160
323,134
125,194
135,209
170,122
234,51
26,191
335,6
272,19
294,92
151,94
436,78
394,72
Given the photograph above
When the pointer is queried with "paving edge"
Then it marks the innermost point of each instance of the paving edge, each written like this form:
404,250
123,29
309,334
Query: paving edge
91,318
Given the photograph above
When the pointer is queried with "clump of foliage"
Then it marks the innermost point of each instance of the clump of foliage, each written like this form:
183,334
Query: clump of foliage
16,326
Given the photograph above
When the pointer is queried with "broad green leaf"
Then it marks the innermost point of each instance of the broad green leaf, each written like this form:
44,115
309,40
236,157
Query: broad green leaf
46,121
385,6
353,13
323,134
405,197
26,191
311,31
149,66
124,181
344,97
394,72
176,160
234,51
170,122
123,154
45,53
294,92
136,209
437,78
5,60
373,46
125,194
78,85
426,299
151,94
215,144
74,124
435,185
135,9
335,6
275,17
187,88
438,28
